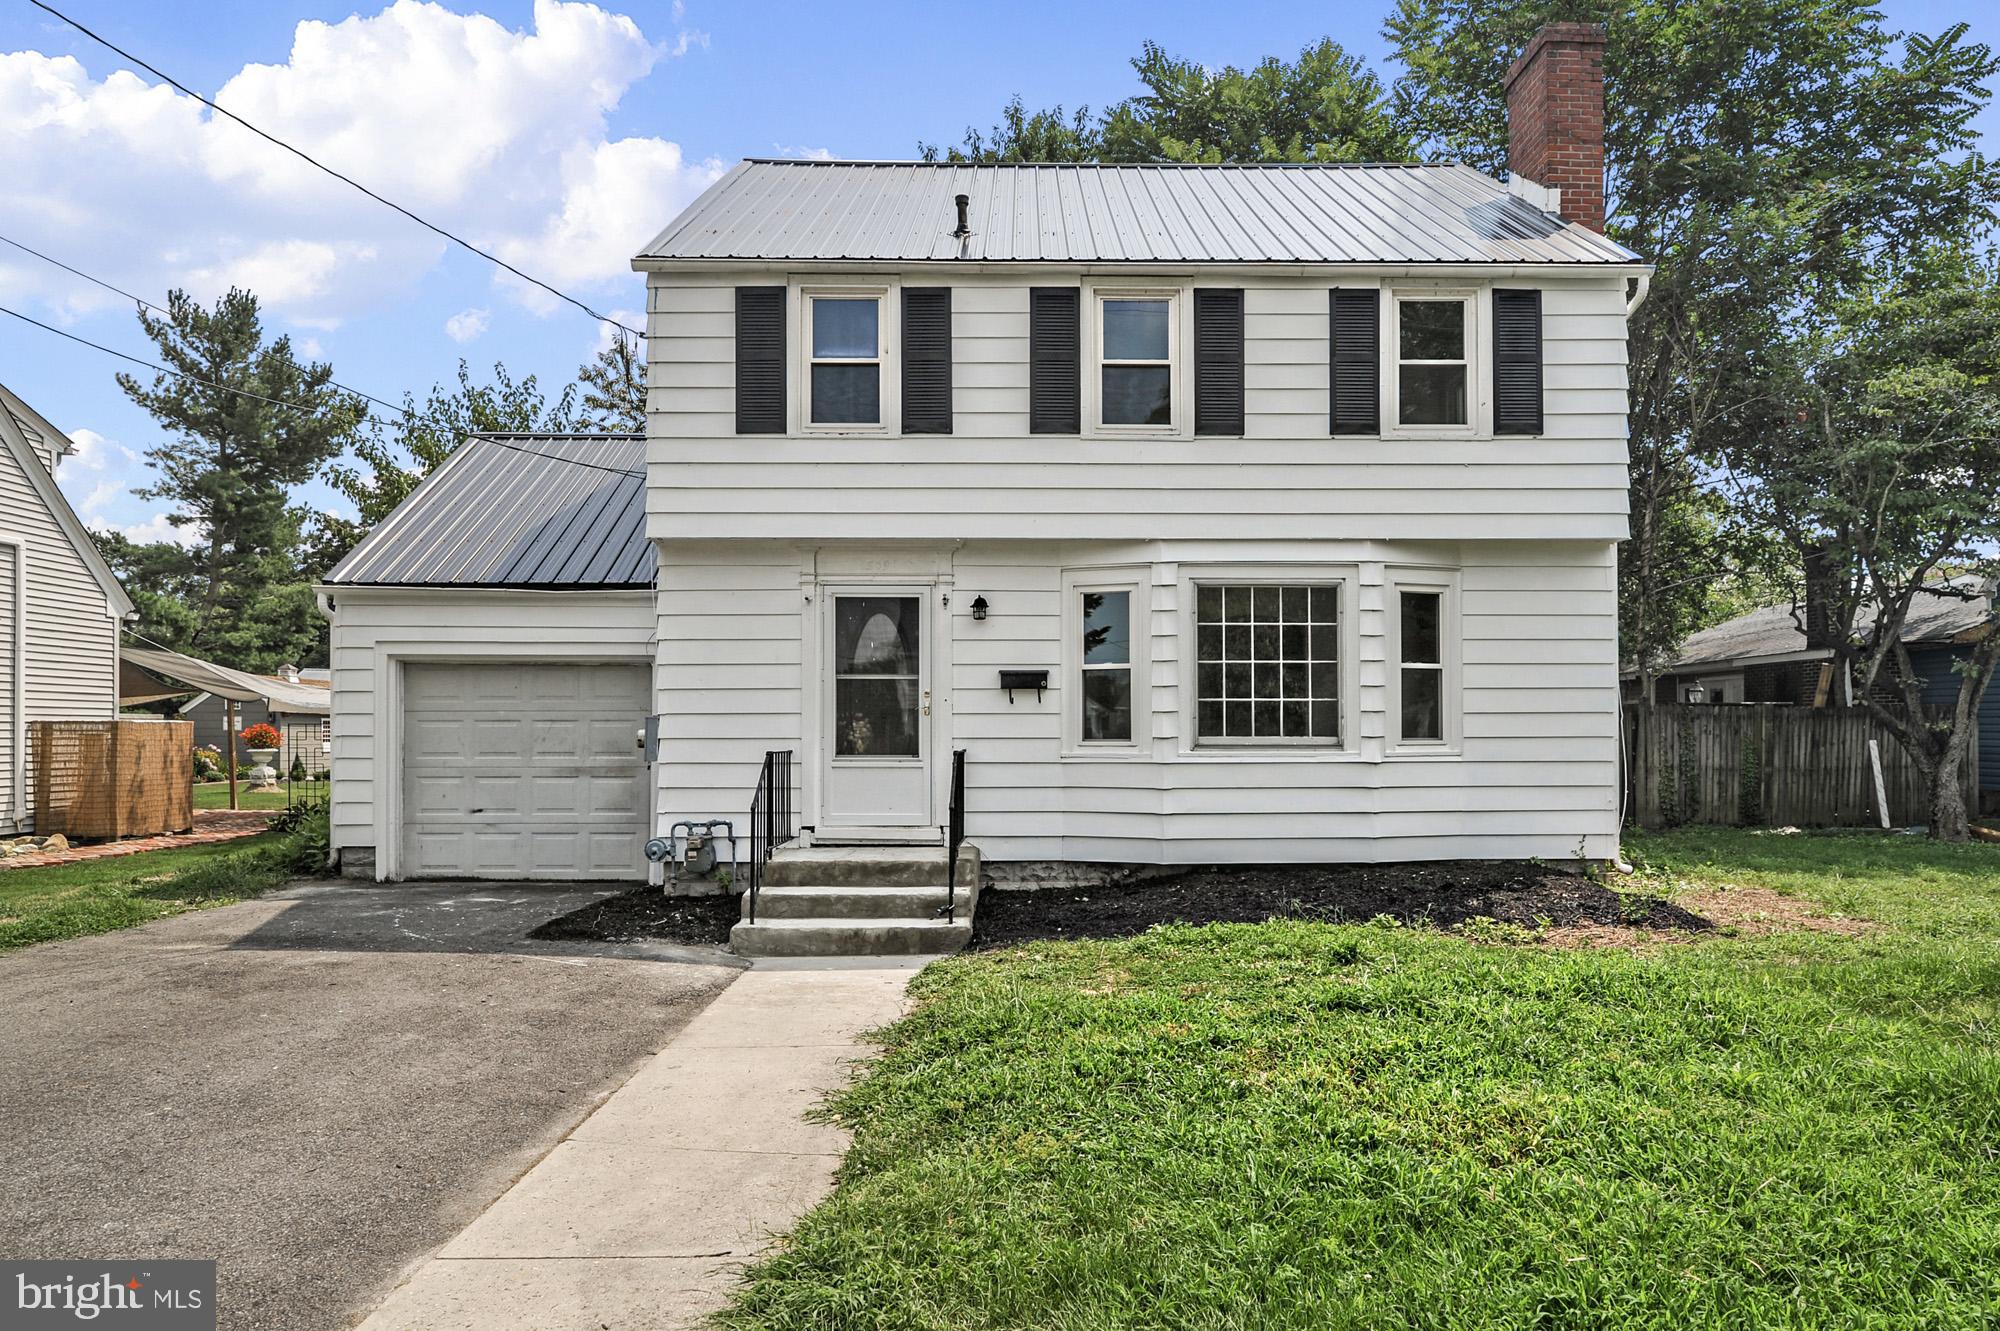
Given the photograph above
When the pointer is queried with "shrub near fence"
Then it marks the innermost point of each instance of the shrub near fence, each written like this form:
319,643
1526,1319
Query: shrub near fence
107,779
1754,764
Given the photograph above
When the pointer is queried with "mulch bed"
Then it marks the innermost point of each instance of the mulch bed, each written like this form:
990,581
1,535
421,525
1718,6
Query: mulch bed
1440,894
646,913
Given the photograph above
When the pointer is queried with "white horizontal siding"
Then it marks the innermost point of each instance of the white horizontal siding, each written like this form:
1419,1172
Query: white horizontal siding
991,479
1535,773
376,630
69,636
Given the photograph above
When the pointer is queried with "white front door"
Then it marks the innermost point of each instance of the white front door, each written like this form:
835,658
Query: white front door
875,729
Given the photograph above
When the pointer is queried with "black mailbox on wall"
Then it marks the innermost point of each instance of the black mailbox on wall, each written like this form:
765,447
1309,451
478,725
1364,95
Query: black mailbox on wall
1024,679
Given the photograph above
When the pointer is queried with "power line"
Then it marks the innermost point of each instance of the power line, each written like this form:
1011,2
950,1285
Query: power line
556,457
143,303
281,402
154,365
310,160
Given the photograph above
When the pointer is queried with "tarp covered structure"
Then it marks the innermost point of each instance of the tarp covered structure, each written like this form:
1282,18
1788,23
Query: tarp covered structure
208,677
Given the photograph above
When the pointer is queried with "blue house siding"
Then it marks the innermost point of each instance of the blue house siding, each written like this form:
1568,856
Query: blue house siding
1941,688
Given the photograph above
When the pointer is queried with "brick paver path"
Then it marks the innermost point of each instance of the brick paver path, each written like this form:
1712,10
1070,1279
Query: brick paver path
210,826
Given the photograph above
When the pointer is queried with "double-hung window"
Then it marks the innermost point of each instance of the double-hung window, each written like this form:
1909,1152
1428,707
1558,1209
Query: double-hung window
1106,654
844,369
1135,345
1267,664
1420,641
1433,341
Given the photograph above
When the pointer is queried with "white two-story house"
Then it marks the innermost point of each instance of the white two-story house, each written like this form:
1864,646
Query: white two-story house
1216,513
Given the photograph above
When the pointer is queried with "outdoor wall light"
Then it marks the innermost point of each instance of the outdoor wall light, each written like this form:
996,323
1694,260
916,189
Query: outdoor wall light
979,607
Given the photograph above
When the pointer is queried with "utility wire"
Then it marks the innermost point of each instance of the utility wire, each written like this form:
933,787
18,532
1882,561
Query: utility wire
293,406
310,160
143,303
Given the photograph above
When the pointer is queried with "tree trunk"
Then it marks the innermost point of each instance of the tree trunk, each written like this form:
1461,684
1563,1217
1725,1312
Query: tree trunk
1948,818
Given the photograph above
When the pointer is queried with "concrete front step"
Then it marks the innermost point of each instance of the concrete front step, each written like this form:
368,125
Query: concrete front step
771,937
798,901
867,866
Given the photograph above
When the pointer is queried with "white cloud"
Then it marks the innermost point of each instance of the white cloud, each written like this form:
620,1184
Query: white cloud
155,528
606,332
802,153
499,134
94,452
466,325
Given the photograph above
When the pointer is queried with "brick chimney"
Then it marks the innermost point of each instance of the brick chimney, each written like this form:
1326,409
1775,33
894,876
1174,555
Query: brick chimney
1555,118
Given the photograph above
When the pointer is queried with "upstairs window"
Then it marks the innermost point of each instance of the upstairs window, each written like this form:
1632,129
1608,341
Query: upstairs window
845,369
1136,361
1433,360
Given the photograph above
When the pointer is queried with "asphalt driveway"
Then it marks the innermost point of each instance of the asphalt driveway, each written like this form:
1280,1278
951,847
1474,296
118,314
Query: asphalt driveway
316,1088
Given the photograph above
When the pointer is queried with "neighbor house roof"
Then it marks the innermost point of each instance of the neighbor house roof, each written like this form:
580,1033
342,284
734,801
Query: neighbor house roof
1107,213
517,510
1774,631
14,437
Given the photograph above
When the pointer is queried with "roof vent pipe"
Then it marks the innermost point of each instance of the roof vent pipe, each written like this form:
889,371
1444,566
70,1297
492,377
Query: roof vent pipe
964,202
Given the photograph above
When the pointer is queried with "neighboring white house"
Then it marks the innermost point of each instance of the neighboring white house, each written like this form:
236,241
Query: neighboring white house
1301,484
60,606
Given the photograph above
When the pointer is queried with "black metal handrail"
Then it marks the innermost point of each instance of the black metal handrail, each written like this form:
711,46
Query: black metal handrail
770,818
954,834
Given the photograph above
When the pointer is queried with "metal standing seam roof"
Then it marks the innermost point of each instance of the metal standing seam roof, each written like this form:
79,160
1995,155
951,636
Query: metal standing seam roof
766,209
517,510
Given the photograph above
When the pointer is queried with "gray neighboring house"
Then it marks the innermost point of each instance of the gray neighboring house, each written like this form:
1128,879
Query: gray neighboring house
60,605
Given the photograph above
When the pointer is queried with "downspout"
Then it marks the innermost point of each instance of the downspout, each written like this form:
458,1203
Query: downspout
18,650
1645,286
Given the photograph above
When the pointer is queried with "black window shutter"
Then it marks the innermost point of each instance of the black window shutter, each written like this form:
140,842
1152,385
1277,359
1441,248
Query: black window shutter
1218,361
1517,362
926,360
1055,383
1357,370
760,360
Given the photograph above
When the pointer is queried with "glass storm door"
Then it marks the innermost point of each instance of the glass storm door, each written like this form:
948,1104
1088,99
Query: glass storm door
876,732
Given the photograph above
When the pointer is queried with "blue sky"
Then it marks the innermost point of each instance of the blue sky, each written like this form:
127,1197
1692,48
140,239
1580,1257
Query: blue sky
561,135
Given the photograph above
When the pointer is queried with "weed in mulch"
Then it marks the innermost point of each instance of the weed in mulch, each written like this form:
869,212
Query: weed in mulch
1491,901
646,914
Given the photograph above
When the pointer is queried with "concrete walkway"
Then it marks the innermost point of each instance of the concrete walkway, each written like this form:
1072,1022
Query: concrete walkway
642,1218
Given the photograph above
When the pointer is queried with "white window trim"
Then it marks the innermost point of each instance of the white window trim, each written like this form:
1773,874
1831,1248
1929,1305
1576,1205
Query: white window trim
1478,374
1348,578
887,328
1444,583
1135,582
1180,305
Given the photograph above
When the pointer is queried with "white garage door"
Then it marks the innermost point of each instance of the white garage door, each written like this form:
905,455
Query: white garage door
524,771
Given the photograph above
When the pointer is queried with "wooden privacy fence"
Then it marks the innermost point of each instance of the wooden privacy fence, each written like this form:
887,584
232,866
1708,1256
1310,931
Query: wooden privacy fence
107,779
1754,764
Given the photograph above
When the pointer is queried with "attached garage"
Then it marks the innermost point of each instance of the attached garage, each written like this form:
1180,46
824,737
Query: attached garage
523,771
493,668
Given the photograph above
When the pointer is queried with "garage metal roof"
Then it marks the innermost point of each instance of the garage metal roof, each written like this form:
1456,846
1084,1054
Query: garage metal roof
517,510
767,209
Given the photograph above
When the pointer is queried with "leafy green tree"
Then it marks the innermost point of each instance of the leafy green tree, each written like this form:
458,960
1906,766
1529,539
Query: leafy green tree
1765,155
1325,106
247,424
1873,439
389,461
614,388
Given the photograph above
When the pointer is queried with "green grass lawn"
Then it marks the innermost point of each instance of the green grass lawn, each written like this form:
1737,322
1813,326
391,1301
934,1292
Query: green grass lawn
215,795
41,905
1298,1125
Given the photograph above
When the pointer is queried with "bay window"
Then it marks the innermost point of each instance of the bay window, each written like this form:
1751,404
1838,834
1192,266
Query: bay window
1106,626
1267,664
